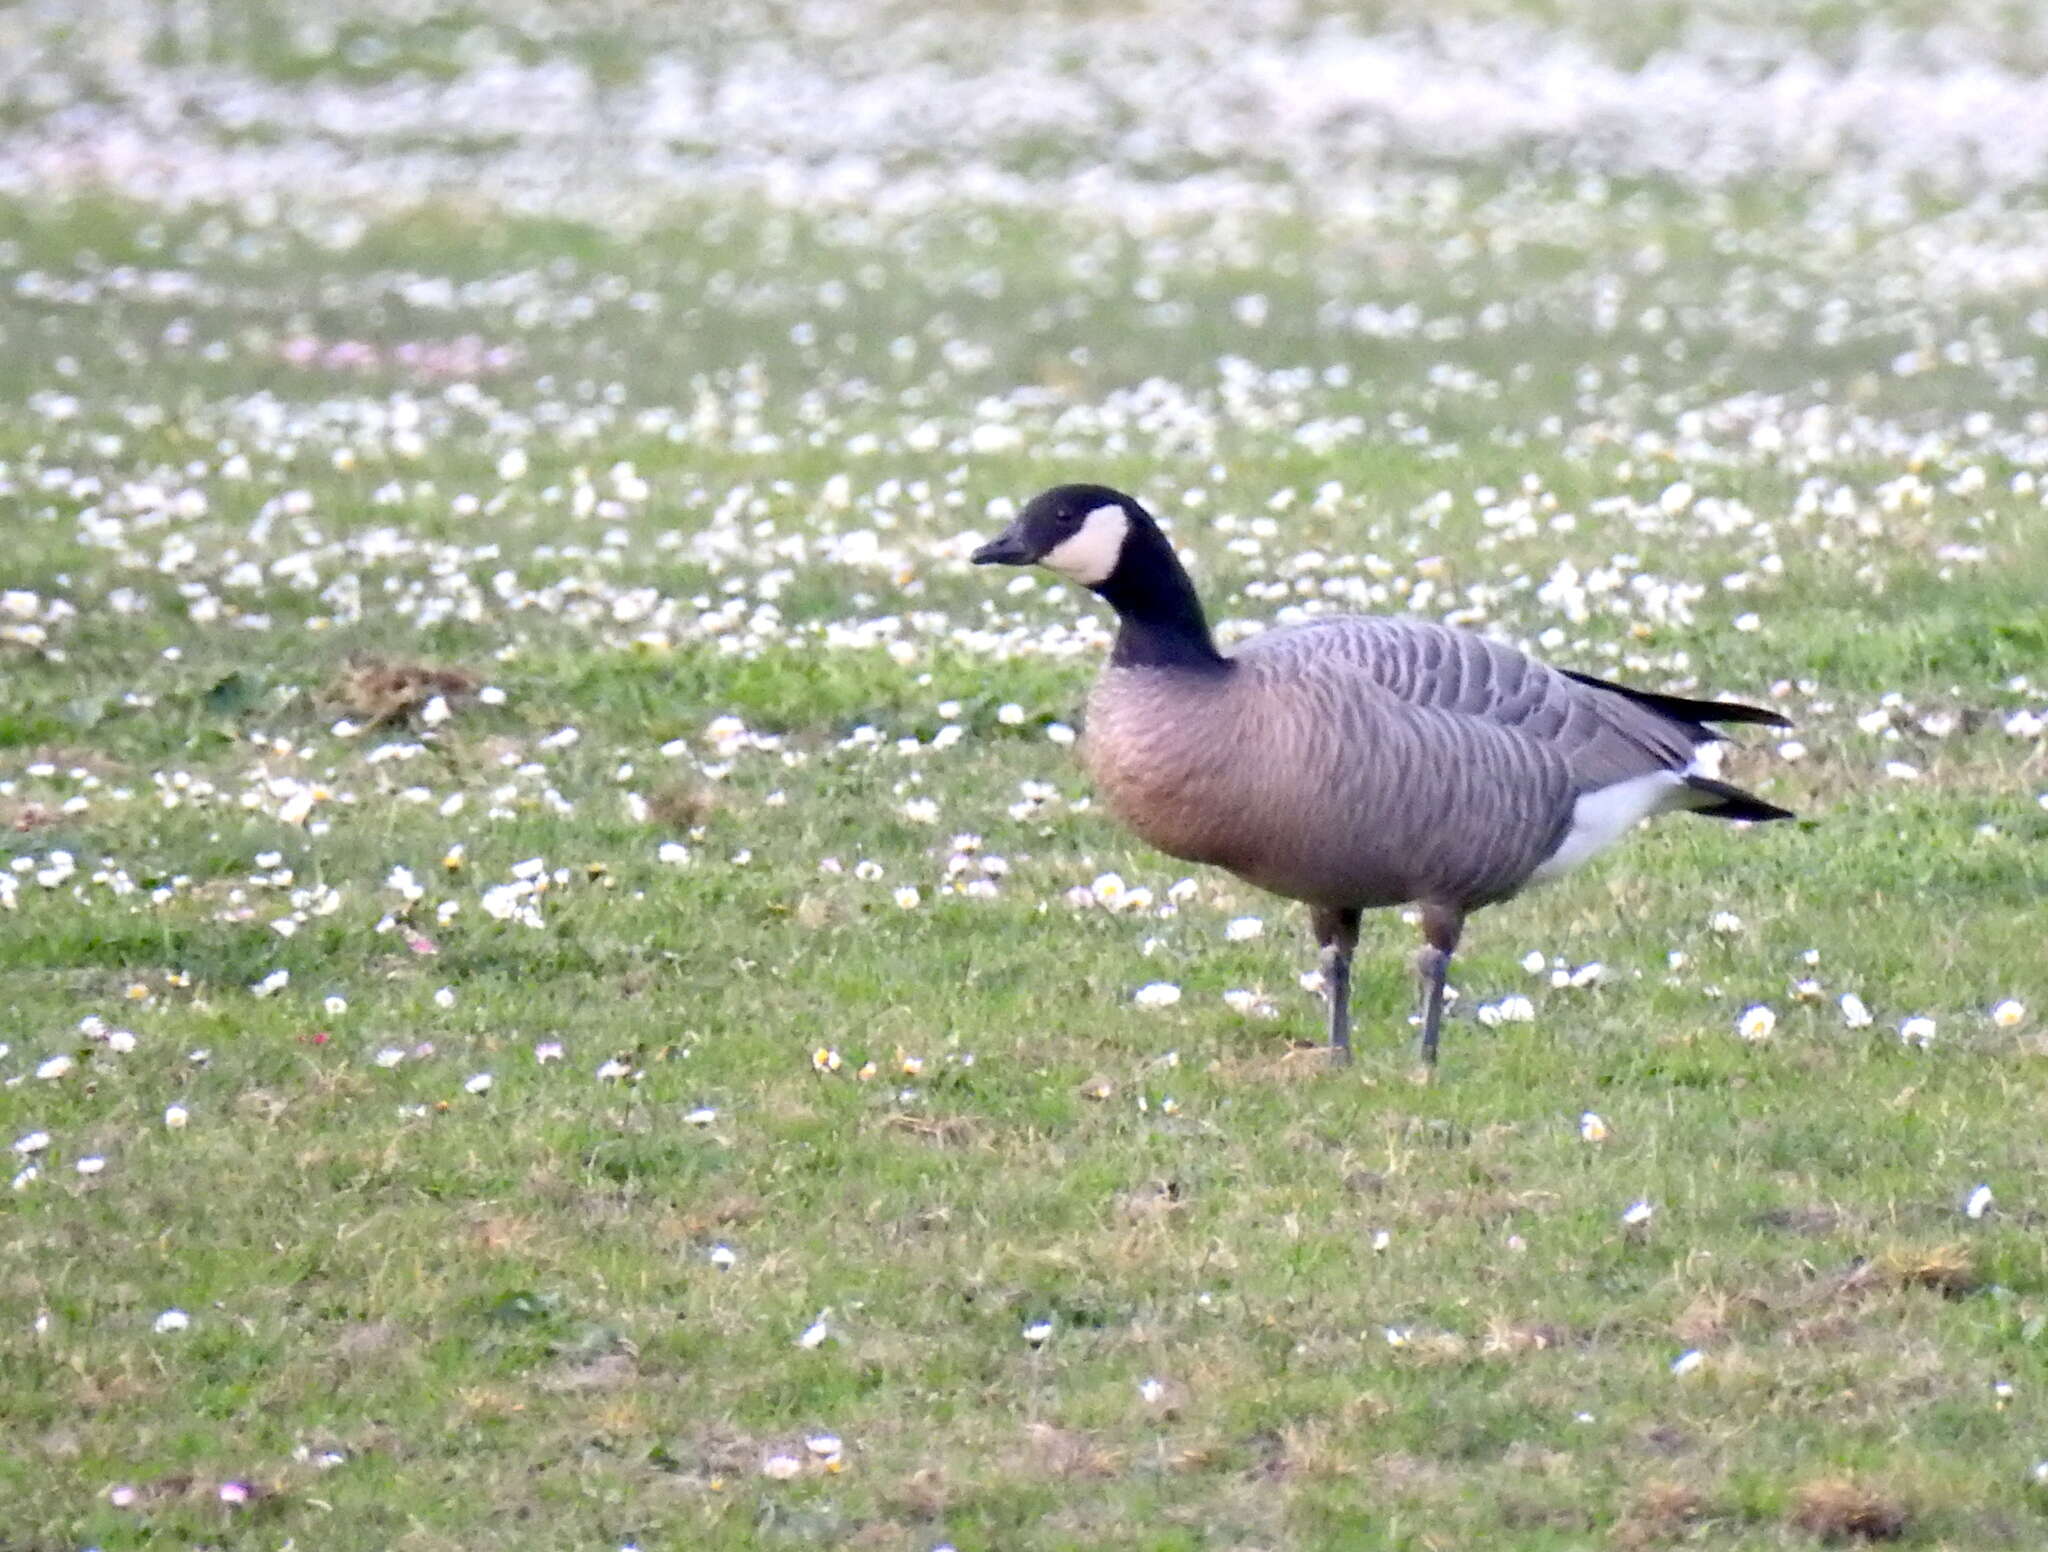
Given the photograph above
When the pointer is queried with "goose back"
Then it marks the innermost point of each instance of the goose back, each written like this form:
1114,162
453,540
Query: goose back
1604,736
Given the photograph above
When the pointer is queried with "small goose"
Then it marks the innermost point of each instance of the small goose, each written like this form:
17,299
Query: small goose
1357,762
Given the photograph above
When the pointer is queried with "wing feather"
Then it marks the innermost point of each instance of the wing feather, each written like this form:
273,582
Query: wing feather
1604,733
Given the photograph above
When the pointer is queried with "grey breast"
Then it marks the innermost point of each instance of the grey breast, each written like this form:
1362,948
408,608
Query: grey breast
1365,762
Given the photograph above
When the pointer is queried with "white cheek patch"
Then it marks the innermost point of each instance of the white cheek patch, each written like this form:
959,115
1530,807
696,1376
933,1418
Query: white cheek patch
1091,554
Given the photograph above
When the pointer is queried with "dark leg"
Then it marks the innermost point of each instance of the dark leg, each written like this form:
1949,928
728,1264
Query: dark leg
1442,925
1337,932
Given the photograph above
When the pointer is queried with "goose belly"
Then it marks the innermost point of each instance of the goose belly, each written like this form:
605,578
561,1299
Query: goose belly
1203,794
1276,844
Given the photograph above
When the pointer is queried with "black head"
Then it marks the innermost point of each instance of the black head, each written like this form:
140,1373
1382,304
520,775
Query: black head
1079,531
1109,544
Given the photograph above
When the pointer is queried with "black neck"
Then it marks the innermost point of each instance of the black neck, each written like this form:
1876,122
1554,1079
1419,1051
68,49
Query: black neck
1161,619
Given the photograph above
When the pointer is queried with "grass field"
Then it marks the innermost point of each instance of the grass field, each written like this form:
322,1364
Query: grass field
559,983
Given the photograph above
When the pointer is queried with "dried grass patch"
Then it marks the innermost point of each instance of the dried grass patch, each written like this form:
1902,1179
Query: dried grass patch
1713,1314
940,1131
1950,1270
1661,1511
1841,1508
1067,1452
377,690
677,806
1300,1061
1515,1339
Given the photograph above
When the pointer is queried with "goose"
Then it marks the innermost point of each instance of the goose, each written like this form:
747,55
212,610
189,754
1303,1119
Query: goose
1359,762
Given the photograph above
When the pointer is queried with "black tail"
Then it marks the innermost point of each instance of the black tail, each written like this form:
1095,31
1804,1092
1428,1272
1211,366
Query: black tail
1734,802
1682,709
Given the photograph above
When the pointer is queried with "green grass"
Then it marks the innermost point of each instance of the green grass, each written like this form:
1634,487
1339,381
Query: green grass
1288,1307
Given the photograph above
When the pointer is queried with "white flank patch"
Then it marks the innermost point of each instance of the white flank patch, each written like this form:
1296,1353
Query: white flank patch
1091,554
1605,815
